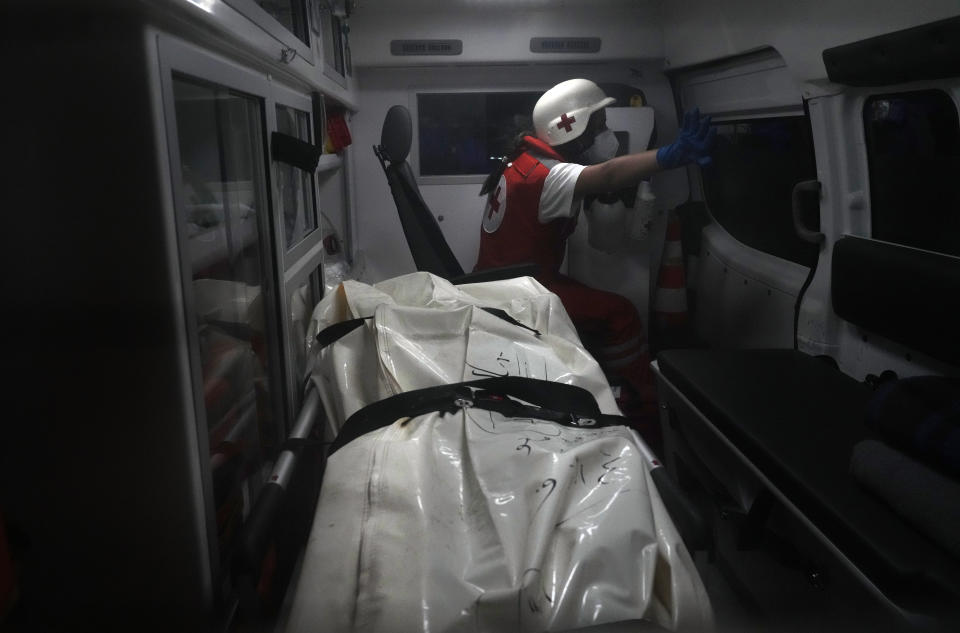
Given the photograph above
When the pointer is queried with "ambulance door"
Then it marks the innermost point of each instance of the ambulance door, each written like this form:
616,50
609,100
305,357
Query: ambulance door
885,295
748,266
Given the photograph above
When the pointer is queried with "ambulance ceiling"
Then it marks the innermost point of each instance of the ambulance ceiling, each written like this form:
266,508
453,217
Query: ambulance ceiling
680,33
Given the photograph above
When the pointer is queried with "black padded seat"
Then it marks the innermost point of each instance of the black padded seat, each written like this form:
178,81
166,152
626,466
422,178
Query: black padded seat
797,419
428,246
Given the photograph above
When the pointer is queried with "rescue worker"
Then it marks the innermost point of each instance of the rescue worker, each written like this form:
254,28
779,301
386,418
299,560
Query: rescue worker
534,198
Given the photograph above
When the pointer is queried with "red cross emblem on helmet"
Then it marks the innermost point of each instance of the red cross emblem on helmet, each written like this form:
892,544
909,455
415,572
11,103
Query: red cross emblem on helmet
496,207
566,123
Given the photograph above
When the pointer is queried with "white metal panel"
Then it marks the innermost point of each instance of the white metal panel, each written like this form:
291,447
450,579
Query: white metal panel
332,199
845,209
745,297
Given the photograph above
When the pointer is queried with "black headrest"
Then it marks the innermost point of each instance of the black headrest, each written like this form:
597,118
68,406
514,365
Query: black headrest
397,134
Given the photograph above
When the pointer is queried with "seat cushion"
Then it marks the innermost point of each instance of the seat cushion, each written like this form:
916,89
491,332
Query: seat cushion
797,419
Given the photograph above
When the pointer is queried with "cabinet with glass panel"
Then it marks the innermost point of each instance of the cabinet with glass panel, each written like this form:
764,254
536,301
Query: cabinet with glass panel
251,266
286,20
190,261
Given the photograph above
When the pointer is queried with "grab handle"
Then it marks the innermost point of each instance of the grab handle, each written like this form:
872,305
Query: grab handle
805,234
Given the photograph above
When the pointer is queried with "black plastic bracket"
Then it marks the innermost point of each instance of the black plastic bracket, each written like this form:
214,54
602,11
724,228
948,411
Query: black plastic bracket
291,150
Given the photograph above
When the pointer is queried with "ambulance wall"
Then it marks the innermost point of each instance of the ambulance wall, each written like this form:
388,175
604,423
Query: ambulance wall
380,236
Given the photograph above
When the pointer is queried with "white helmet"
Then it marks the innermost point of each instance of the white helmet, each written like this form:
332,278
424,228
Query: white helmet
562,113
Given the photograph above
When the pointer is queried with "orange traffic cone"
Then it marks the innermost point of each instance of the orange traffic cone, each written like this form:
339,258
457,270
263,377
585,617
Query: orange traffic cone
670,302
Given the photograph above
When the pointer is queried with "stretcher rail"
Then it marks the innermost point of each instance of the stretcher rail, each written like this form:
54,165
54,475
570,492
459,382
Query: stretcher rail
260,526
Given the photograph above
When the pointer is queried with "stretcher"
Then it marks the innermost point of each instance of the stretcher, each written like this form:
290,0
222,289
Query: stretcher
480,479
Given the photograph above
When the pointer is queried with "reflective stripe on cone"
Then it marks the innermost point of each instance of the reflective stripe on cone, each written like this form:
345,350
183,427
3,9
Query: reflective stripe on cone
670,302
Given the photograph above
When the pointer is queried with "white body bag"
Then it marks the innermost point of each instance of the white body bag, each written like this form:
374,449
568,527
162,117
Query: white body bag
469,519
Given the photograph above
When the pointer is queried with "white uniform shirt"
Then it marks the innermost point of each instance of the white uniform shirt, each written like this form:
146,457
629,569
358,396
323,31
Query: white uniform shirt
557,199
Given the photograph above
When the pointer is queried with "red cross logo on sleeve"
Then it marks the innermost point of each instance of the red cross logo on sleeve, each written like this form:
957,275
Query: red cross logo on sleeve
566,122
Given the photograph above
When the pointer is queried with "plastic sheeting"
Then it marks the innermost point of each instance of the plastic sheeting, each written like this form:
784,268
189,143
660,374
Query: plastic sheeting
427,332
469,521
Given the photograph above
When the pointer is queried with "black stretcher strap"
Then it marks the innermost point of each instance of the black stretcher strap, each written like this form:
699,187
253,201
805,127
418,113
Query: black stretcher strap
291,150
563,404
333,333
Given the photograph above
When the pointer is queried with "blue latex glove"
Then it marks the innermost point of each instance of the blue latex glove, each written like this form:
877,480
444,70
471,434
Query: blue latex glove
693,144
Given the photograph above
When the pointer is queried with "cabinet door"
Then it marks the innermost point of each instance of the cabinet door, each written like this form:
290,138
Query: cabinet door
295,189
286,20
297,225
218,145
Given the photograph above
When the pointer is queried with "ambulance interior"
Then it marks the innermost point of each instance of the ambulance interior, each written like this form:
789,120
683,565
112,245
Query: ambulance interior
214,182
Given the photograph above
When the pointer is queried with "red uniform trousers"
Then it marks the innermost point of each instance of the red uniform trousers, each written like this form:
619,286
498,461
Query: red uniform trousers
611,329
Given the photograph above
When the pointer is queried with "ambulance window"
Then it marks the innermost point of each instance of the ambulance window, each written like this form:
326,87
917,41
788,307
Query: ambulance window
466,133
748,187
913,151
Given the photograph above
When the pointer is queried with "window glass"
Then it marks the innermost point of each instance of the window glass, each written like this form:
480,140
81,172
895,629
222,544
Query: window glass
469,132
302,302
913,150
290,13
296,205
332,39
220,137
749,185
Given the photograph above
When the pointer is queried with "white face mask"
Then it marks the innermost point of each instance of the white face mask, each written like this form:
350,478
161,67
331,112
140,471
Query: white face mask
605,146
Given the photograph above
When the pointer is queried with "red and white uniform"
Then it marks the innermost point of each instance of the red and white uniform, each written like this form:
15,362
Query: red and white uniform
531,212
527,218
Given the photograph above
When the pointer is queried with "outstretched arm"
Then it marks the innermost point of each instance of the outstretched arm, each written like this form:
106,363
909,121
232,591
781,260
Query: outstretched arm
693,144
616,173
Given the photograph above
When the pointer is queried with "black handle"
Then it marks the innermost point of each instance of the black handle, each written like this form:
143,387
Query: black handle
805,234
291,150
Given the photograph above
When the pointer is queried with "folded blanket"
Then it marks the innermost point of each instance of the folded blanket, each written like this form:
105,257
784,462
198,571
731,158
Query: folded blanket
920,415
923,497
